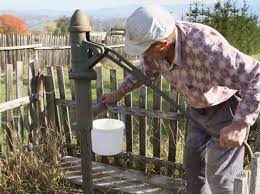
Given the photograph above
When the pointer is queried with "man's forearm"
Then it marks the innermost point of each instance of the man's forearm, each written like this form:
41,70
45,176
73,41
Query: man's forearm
128,85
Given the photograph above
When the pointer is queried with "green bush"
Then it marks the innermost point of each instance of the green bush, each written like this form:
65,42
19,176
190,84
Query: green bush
235,23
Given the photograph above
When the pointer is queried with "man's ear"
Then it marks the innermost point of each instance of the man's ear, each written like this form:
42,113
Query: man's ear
164,44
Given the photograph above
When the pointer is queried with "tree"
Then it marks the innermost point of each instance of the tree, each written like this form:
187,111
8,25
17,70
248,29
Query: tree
10,24
238,26
62,25
50,28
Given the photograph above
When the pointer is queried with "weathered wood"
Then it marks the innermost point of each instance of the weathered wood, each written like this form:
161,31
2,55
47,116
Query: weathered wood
19,94
51,88
16,103
107,178
142,124
100,86
50,102
113,86
1,129
32,86
173,136
100,91
131,111
9,113
128,122
65,111
257,141
10,48
42,116
53,48
241,183
255,174
157,105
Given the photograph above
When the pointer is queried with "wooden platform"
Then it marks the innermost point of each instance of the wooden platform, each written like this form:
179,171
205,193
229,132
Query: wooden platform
110,179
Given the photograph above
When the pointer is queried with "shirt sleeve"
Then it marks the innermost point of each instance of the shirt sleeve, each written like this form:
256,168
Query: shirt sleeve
130,82
231,68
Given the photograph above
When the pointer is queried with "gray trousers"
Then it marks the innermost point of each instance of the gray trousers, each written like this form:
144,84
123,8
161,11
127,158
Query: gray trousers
209,167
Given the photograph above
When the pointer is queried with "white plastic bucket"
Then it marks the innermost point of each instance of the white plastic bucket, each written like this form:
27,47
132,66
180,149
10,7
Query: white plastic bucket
107,136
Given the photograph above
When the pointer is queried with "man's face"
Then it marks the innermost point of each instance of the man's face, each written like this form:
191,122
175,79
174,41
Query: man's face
157,51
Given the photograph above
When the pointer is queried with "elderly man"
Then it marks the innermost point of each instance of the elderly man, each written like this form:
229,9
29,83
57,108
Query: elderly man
219,83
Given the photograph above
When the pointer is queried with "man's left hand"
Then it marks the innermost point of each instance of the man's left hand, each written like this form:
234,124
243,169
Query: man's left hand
233,135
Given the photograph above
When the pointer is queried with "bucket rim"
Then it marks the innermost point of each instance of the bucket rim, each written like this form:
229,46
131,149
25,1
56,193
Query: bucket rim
102,129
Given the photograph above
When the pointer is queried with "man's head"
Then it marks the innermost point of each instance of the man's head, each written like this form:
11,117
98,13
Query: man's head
148,30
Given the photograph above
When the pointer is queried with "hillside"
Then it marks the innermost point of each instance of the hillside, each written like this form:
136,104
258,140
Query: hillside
103,18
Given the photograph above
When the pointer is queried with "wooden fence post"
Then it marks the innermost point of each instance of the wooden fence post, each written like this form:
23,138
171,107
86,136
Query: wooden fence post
65,111
128,124
50,99
157,105
42,117
242,183
173,136
143,125
52,89
100,91
33,76
1,129
19,94
255,174
9,113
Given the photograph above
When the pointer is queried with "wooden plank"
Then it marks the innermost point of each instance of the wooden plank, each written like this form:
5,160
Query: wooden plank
32,86
173,136
72,89
52,89
14,59
113,86
107,178
50,102
255,174
65,111
100,91
128,122
100,86
8,51
131,111
241,183
16,103
142,124
19,94
10,48
1,93
9,113
42,116
157,105
53,48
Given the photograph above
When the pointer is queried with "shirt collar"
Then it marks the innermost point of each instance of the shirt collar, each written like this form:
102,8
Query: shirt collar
177,55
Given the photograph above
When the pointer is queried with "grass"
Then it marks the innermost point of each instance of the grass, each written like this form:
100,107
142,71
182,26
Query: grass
35,169
257,56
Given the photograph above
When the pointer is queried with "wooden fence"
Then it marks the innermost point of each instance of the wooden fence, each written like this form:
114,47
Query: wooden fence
154,135
55,50
18,106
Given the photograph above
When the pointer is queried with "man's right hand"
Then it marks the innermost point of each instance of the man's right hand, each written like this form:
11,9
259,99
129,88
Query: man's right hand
111,97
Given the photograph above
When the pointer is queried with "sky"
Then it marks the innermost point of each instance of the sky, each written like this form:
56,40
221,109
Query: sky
84,4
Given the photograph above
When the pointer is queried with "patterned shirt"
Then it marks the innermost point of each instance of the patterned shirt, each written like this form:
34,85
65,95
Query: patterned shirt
207,71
